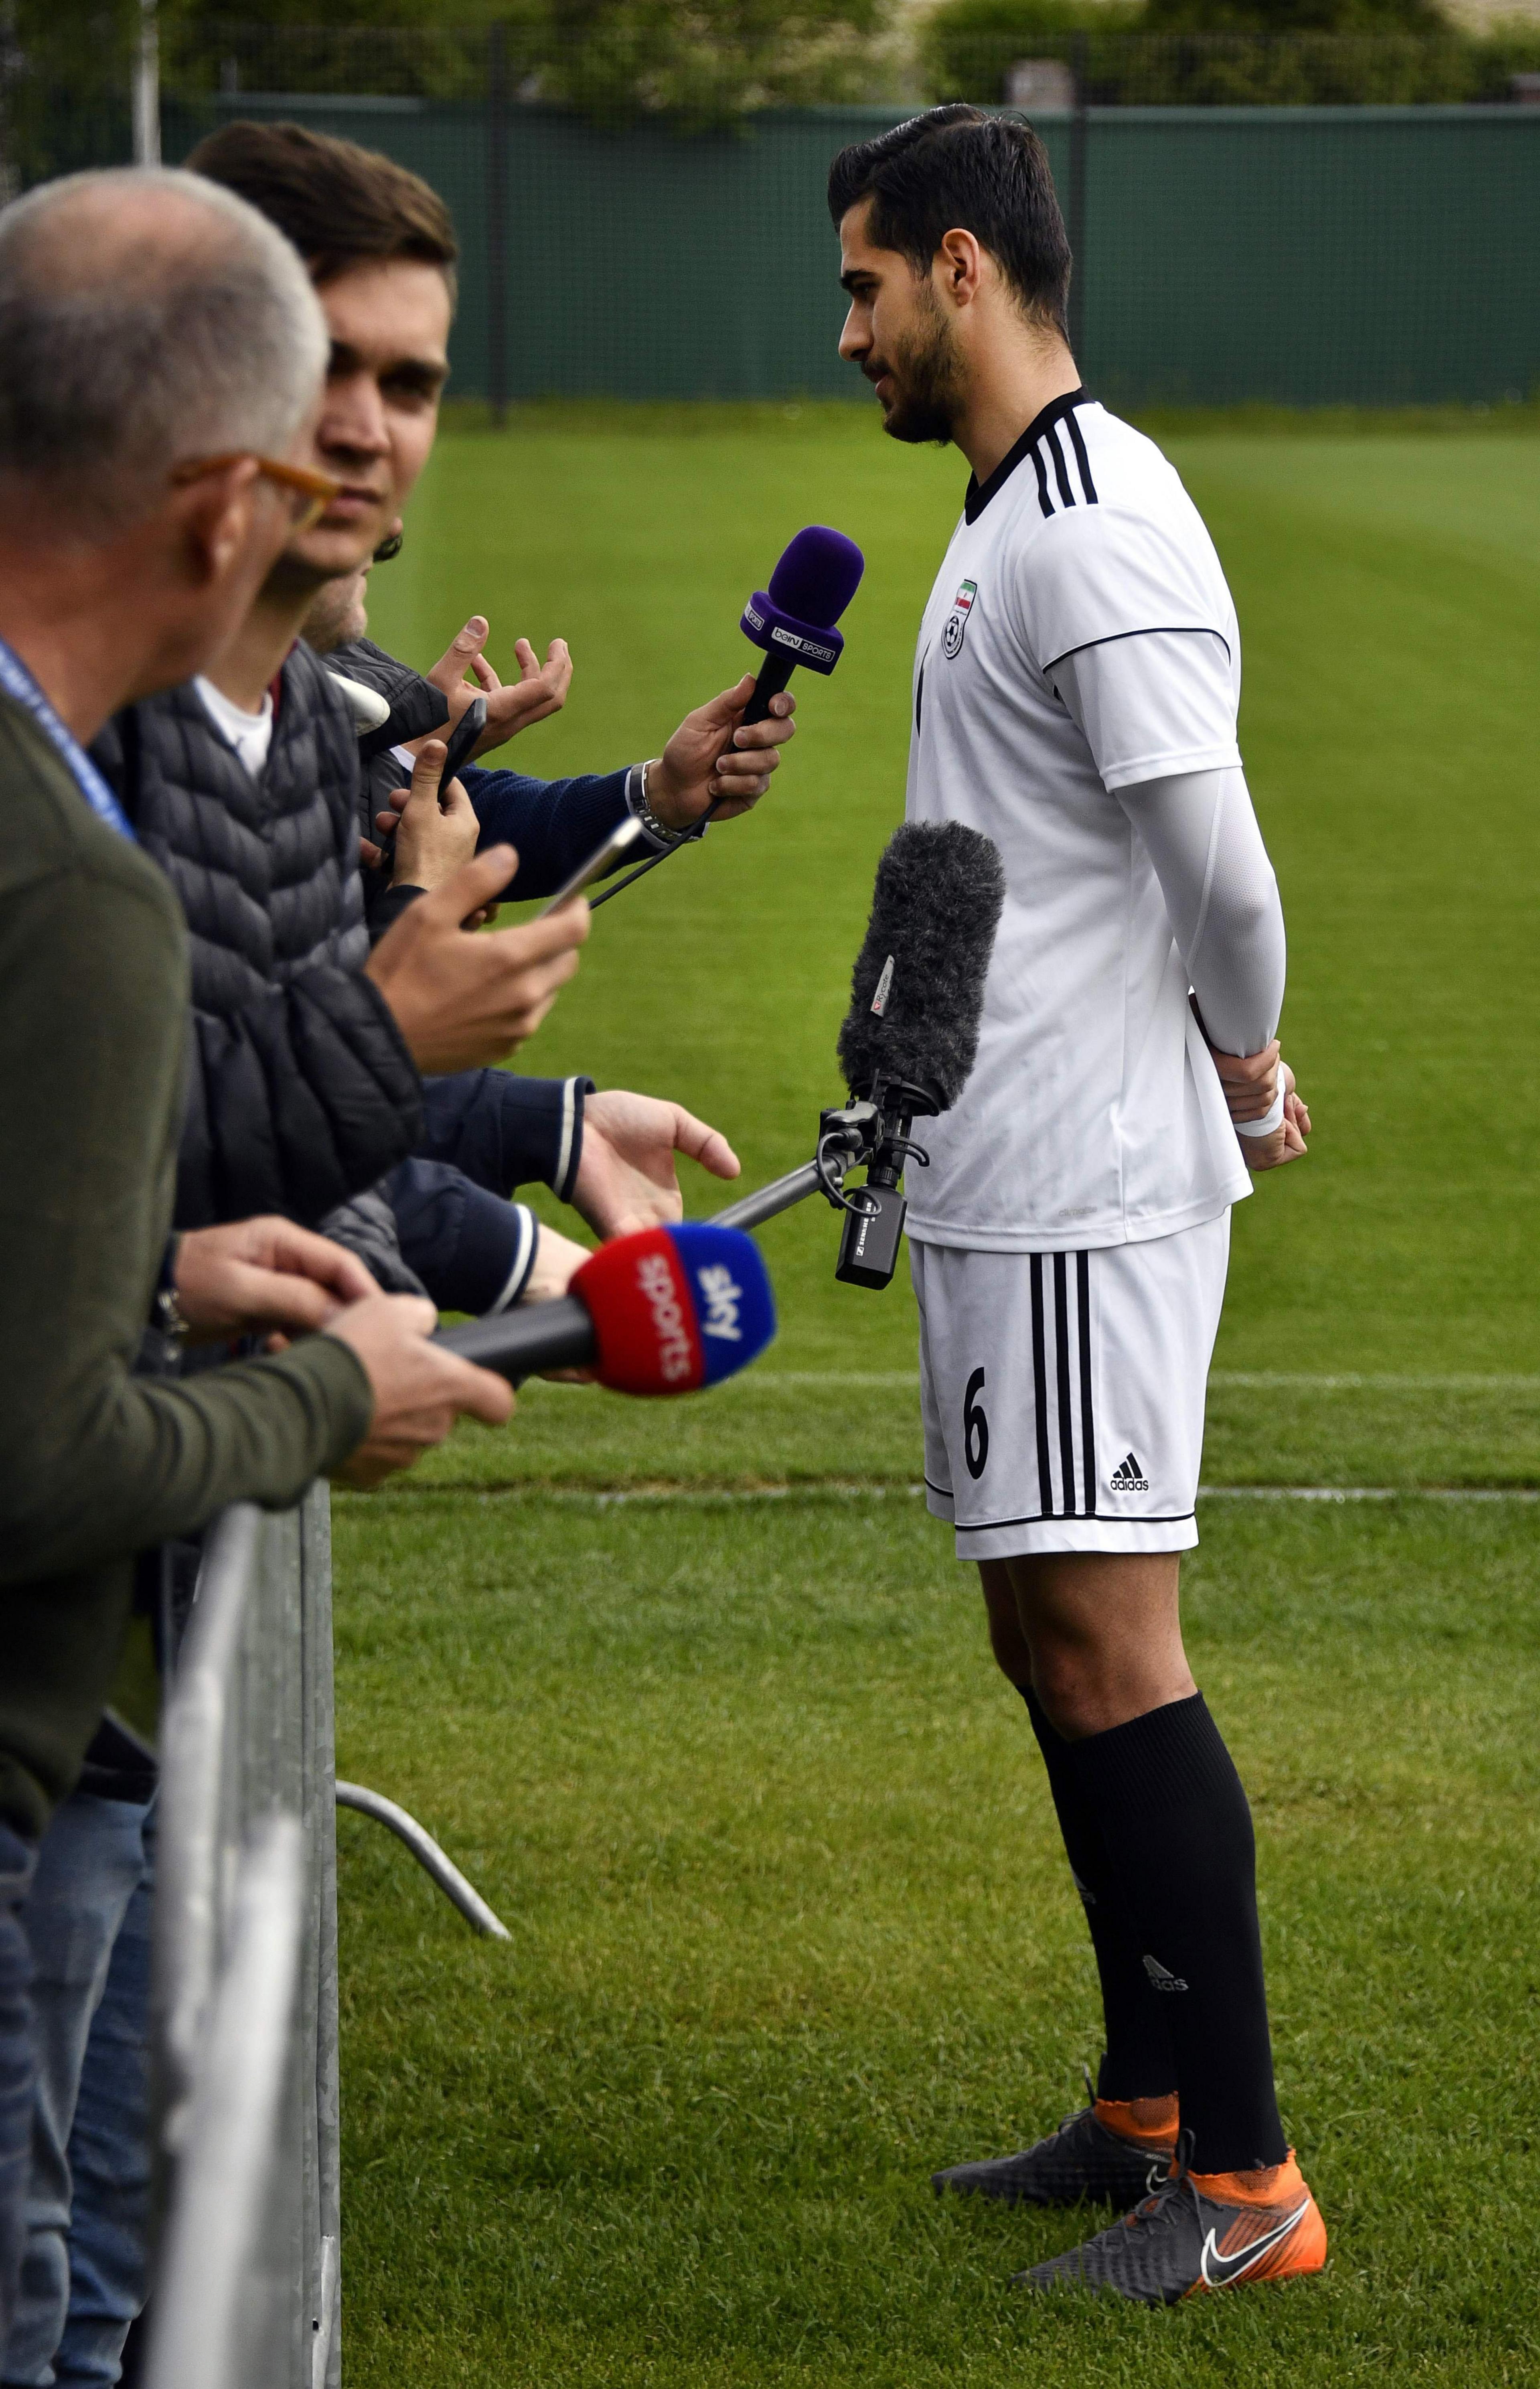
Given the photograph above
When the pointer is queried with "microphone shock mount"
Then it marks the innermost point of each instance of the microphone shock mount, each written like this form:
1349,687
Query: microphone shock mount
870,1132
874,1217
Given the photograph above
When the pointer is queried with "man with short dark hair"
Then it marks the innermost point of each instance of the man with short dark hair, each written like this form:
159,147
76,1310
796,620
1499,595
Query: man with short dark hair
381,249
1075,688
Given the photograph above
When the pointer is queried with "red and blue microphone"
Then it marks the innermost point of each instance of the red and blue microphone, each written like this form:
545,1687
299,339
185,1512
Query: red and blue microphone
668,1312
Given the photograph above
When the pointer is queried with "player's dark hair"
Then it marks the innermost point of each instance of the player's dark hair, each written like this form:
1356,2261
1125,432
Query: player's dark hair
956,169
342,206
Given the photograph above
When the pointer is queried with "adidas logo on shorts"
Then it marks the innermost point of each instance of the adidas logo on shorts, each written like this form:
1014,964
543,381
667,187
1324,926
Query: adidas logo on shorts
1128,1477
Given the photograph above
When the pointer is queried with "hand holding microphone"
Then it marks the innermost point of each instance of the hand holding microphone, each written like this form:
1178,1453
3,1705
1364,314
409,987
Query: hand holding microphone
794,621
418,1389
697,775
666,1311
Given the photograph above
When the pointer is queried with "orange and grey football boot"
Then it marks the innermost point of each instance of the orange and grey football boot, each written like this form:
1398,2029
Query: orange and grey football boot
1115,2152
1197,2232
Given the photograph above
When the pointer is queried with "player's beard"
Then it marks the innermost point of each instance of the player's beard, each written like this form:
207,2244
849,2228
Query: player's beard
926,370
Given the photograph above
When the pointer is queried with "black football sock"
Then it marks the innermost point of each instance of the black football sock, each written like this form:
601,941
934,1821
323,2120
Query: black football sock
1178,1831
1137,2062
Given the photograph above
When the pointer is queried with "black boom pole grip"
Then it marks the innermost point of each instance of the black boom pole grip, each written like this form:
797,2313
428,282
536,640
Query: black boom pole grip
517,1344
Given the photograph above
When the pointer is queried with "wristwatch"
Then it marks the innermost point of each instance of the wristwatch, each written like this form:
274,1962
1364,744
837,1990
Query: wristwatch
644,813
166,1310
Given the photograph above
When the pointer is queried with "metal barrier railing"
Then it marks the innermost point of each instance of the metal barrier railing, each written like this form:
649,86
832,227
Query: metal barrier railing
246,1751
247,2291
215,2320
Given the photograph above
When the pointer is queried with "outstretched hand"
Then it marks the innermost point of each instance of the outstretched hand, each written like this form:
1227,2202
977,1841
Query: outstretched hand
512,706
627,1178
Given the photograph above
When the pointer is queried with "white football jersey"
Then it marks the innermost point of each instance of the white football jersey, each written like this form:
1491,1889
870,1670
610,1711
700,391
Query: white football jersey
1094,1114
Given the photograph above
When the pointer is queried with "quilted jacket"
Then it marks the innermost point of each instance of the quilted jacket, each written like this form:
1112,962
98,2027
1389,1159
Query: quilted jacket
301,1090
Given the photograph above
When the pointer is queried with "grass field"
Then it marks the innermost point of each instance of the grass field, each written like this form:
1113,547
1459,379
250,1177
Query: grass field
790,1924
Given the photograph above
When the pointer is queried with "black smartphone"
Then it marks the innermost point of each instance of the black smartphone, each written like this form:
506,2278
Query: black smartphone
463,738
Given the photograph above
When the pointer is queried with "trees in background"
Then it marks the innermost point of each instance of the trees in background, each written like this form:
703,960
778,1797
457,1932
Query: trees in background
1242,53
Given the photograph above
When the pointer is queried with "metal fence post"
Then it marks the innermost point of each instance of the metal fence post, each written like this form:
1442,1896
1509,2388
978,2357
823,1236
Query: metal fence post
497,222
1079,130
146,88
320,1821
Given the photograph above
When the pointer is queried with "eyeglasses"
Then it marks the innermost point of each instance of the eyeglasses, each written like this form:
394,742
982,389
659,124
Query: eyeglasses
312,492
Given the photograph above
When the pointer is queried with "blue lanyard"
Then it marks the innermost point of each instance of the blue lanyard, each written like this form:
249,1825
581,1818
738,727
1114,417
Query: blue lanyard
18,682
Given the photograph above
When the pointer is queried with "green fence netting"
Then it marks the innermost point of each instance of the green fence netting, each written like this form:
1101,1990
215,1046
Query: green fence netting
1300,254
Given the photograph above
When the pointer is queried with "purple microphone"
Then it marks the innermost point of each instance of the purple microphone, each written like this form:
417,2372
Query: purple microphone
794,619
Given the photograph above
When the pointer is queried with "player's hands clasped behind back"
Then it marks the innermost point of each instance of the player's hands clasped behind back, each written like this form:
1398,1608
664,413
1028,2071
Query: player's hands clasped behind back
461,1002
419,1389
1250,1083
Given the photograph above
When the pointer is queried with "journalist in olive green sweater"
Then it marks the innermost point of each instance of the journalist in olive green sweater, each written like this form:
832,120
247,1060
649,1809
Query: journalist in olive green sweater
95,1462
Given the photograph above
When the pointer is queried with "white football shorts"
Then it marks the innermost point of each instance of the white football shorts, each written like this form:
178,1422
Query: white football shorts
1064,1392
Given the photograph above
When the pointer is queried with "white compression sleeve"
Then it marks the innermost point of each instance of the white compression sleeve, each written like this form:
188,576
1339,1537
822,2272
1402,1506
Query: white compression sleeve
1221,895
1201,834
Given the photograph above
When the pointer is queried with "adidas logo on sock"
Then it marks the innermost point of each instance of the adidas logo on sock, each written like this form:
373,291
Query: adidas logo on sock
1128,1476
1162,1977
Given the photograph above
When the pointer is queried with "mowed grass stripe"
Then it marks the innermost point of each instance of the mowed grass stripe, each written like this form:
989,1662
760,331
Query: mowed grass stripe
835,1488
807,1427
791,1926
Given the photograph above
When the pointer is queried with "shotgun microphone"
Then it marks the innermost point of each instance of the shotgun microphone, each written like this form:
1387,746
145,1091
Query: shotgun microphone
793,619
666,1311
917,990
910,1039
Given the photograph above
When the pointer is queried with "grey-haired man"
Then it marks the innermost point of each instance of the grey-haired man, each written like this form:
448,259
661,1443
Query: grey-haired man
159,351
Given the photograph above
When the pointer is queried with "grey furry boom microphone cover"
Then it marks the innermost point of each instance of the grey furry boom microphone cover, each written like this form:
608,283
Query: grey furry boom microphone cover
917,991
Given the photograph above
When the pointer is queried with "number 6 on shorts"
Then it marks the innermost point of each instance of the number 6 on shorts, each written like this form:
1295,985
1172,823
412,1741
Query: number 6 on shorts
975,1427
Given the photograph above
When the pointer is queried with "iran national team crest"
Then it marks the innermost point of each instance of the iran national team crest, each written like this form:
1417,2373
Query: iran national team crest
956,622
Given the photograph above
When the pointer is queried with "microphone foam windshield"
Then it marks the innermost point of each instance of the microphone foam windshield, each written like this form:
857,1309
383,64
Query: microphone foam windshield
817,576
676,1309
917,991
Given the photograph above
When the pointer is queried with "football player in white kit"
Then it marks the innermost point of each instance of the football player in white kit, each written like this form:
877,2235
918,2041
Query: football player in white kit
1075,690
